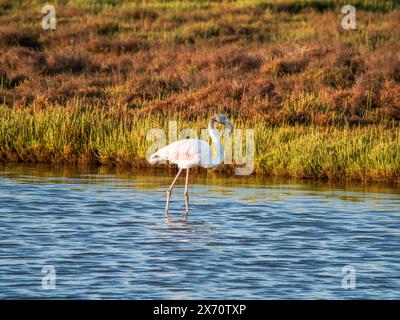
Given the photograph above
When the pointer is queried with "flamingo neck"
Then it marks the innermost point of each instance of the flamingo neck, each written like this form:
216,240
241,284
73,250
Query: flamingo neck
219,155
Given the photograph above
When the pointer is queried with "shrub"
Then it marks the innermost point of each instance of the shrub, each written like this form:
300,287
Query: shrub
14,36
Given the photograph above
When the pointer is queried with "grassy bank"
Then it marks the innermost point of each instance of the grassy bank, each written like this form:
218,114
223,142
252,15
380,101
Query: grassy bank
119,137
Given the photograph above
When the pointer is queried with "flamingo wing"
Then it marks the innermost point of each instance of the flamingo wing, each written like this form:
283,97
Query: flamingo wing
185,153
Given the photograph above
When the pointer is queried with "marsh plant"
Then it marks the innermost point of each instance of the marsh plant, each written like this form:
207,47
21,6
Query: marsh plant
118,137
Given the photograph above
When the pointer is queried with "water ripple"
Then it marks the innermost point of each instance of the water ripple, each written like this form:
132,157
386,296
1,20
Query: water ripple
106,237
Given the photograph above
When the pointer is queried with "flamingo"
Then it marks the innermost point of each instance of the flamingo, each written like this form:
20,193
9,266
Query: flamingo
190,153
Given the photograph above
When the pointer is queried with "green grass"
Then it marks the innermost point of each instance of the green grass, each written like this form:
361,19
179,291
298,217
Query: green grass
118,137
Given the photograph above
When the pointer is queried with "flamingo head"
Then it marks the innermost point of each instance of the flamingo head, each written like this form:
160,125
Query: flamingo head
222,119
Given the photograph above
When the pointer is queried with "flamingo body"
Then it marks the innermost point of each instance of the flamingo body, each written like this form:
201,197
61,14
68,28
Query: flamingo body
186,154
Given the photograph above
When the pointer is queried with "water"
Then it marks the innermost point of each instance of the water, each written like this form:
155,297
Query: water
105,236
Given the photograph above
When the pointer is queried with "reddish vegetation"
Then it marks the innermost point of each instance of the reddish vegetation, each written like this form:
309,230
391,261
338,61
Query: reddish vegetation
243,68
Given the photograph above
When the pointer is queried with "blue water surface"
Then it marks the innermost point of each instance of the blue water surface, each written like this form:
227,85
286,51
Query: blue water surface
105,236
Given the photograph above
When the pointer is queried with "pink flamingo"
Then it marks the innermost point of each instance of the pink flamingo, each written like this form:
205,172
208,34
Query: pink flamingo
189,153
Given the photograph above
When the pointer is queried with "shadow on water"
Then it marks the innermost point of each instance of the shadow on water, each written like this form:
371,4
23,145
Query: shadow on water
104,232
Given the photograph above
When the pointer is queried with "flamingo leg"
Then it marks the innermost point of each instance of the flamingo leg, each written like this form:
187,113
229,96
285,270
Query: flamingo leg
169,191
187,193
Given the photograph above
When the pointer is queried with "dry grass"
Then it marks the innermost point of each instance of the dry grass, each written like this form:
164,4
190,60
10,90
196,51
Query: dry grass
249,57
